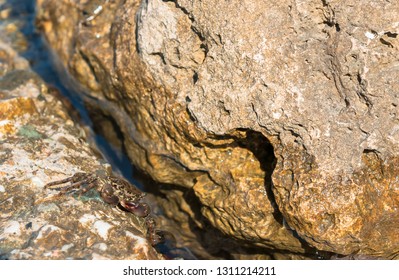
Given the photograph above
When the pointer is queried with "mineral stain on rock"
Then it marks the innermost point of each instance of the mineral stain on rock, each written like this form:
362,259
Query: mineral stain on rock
29,132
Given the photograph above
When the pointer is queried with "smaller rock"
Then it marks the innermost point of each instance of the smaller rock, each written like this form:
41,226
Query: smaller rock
39,143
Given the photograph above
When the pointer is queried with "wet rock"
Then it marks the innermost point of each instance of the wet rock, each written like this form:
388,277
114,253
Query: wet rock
39,143
279,120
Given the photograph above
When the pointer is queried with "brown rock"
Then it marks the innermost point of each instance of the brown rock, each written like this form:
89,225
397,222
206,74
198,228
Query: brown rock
277,116
13,107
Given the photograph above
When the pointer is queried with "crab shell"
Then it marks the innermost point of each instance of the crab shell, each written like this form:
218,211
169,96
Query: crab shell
139,209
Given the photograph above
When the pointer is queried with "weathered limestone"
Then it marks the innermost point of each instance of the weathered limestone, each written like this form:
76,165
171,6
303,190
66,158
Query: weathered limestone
279,116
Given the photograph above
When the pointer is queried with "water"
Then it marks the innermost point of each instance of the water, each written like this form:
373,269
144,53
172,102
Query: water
42,63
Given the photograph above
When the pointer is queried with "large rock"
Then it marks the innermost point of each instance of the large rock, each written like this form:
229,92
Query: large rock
279,117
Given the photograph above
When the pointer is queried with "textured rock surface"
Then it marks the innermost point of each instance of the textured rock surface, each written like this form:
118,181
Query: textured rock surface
40,143
267,112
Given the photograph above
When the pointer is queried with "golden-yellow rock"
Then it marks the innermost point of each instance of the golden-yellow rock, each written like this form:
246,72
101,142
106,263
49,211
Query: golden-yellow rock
14,107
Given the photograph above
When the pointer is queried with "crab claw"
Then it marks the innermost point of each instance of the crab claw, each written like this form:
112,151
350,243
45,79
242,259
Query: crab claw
107,194
139,209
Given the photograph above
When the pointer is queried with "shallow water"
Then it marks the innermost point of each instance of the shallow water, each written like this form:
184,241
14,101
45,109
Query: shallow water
42,63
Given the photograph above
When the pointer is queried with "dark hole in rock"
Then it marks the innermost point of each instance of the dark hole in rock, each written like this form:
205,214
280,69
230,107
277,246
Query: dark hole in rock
385,42
391,34
195,78
264,152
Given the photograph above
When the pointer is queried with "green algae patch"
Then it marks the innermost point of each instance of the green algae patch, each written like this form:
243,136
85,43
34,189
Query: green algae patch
88,196
29,132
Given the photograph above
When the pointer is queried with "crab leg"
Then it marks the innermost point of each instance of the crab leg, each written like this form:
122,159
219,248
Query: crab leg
59,182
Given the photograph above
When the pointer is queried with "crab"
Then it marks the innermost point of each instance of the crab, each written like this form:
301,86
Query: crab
115,191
